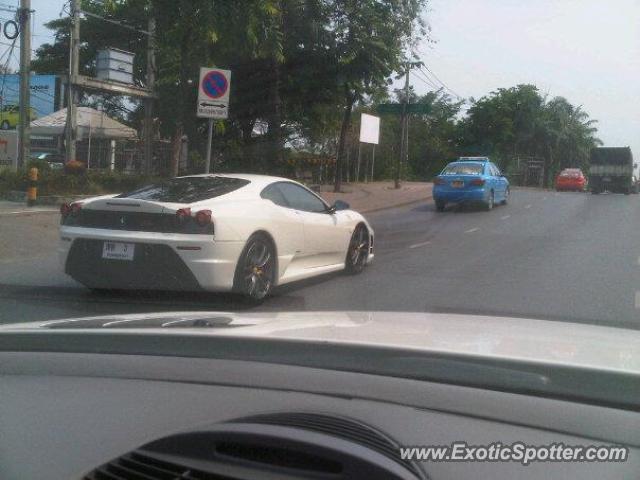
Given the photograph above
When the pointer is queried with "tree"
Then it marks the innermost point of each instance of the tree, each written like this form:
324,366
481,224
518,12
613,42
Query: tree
372,38
518,120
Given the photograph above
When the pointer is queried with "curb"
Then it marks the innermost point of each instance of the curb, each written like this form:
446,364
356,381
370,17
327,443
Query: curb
397,205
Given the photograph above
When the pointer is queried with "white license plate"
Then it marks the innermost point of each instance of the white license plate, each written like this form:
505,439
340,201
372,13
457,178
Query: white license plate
118,251
457,184
606,179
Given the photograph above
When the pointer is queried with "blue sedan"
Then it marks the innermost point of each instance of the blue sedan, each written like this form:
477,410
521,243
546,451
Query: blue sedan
470,180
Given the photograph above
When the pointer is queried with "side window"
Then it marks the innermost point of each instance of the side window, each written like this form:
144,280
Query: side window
496,170
300,199
273,193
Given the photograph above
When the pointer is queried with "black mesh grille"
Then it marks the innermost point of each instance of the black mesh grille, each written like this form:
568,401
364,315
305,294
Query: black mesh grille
344,428
136,466
153,267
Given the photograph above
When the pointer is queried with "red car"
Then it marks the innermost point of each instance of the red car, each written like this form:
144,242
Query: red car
571,179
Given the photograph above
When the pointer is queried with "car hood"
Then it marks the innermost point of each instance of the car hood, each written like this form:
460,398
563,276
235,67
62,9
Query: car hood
539,342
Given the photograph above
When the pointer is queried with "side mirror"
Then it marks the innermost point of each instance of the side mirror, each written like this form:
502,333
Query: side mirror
338,205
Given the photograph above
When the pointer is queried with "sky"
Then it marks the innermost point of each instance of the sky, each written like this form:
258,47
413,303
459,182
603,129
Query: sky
585,50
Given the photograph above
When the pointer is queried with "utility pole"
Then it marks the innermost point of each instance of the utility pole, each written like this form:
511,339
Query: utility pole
25,87
72,93
207,162
148,106
403,122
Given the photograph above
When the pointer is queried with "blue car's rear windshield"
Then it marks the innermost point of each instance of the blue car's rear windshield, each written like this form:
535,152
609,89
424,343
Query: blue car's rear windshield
463,169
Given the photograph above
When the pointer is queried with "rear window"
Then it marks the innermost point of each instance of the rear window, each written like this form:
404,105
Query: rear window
570,173
187,189
463,169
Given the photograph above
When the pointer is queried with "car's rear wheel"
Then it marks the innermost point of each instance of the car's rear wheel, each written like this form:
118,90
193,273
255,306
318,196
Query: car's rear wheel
507,192
358,251
255,272
489,203
440,205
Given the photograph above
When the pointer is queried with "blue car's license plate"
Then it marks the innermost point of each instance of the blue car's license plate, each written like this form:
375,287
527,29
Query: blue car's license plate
457,184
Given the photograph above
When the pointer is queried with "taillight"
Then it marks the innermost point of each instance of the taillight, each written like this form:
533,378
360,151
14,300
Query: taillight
203,217
65,209
438,181
183,213
75,208
477,182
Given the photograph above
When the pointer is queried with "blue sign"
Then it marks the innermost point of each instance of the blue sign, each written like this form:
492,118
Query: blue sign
214,84
43,93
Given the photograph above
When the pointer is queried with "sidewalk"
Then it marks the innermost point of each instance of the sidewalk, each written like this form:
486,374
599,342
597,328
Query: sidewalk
369,197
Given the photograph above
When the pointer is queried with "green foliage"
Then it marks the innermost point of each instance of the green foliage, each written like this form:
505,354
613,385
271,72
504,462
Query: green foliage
42,165
519,121
56,182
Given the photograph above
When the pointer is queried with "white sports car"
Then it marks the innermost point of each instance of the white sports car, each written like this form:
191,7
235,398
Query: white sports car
241,233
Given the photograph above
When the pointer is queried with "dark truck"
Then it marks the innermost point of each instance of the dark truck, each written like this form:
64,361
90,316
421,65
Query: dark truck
612,170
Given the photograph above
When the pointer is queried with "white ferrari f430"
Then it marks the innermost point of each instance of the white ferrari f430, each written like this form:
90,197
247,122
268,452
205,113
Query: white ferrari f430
241,233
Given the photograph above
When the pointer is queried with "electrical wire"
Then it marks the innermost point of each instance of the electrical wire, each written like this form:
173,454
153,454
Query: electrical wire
424,79
440,81
9,53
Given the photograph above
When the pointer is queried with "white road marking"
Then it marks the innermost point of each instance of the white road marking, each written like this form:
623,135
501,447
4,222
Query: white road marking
471,230
26,212
637,299
418,245
505,217
527,206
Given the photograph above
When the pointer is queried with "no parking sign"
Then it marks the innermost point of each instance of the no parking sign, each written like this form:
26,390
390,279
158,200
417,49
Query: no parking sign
213,93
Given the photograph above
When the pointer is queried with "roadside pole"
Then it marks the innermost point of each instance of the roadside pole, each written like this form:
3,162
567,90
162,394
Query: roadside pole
373,161
25,90
72,95
403,122
148,102
358,163
213,102
207,163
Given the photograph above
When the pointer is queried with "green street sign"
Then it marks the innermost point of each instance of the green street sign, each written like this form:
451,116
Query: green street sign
396,108
393,108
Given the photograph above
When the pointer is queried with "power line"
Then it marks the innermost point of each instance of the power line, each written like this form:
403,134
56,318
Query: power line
441,82
9,52
424,79
116,22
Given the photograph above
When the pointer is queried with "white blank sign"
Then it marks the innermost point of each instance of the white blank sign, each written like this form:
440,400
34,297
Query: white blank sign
369,129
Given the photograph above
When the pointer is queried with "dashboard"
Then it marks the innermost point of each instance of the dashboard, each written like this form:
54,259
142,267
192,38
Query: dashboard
111,416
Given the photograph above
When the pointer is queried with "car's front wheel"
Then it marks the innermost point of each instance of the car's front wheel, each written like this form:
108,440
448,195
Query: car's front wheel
440,205
358,251
255,272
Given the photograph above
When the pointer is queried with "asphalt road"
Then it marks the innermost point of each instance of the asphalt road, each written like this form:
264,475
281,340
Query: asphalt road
560,256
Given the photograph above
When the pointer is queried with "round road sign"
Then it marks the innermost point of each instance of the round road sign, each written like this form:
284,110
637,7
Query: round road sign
214,84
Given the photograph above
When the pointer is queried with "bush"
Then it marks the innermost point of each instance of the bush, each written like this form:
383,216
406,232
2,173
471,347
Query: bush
75,167
42,166
57,182
10,180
